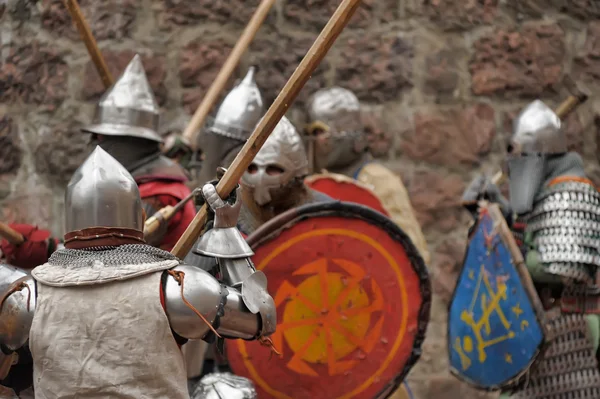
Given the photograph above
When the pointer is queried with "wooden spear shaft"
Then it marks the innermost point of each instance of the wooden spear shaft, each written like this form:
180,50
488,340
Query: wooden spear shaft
12,236
262,131
90,42
210,98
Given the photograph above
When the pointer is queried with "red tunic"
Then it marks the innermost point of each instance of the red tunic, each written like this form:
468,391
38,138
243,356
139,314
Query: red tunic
170,192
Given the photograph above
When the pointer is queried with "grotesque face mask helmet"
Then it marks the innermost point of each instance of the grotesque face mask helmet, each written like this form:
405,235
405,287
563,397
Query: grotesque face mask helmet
335,133
128,108
102,193
280,163
537,134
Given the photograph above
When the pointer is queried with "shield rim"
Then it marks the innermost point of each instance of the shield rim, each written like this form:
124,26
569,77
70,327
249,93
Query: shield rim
343,179
288,219
509,241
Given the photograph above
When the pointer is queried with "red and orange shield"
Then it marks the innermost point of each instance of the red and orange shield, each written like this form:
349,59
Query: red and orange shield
352,297
343,188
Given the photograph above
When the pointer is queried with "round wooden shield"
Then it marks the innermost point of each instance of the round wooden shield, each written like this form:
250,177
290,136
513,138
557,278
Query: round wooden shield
352,296
343,188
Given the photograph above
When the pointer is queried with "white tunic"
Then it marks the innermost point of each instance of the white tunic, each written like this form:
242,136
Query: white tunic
98,332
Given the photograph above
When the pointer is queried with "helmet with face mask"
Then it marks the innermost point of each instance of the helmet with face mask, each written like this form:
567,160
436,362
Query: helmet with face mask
335,131
279,164
537,135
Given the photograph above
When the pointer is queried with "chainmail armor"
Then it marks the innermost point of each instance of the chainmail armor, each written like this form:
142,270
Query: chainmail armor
565,223
131,254
568,368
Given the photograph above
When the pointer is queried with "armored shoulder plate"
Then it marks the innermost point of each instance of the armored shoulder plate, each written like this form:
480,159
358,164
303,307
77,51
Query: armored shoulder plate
565,223
203,292
537,129
16,312
222,307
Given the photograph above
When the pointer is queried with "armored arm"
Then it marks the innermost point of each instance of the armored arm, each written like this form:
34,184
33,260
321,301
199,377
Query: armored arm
482,188
17,305
241,307
222,307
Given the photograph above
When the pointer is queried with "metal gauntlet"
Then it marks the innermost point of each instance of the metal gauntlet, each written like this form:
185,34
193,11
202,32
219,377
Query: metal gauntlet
225,243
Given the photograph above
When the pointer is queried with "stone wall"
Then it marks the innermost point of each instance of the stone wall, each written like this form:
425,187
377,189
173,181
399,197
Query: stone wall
441,80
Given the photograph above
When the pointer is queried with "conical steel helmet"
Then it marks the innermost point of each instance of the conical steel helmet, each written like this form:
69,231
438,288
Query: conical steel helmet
128,108
537,129
102,193
240,111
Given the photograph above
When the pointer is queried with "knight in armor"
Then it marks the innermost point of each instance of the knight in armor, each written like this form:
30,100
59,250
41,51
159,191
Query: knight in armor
233,124
274,181
338,143
554,211
125,125
272,184
106,315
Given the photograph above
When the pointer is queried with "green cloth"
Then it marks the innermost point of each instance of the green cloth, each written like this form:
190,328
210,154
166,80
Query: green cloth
536,269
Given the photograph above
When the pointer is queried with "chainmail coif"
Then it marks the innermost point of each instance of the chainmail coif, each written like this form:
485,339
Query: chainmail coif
130,254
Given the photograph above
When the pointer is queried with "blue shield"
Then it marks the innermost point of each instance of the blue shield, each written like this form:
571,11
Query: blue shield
494,324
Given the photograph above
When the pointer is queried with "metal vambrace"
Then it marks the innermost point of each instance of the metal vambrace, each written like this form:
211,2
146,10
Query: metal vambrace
197,304
225,243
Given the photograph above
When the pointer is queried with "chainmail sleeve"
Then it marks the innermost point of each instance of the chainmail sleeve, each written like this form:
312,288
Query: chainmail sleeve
565,231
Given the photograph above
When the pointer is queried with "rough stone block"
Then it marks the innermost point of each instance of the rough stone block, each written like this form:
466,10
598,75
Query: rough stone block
436,199
200,63
376,68
108,19
11,153
60,152
314,14
192,12
460,14
277,58
452,137
35,74
117,61
522,63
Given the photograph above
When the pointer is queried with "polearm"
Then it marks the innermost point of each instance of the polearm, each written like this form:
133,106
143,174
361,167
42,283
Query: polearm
190,134
90,42
575,99
274,114
11,235
164,215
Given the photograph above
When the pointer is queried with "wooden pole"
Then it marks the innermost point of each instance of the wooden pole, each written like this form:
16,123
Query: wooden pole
12,236
90,42
190,134
274,114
